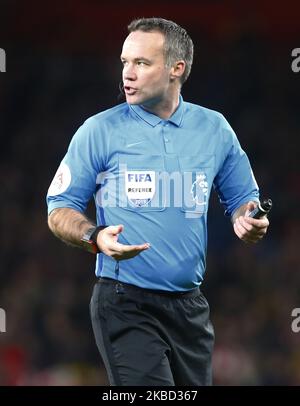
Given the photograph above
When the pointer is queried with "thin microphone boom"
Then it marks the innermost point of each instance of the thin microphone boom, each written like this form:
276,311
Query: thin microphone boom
121,95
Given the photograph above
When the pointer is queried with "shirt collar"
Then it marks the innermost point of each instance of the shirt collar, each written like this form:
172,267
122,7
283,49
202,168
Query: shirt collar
152,119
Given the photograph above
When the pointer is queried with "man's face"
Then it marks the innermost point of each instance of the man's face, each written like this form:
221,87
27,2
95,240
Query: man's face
146,78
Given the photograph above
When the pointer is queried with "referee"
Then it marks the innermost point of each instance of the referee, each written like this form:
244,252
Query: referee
150,164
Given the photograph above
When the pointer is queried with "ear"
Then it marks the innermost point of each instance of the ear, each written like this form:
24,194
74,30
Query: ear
177,70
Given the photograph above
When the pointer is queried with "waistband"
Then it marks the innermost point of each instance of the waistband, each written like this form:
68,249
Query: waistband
122,287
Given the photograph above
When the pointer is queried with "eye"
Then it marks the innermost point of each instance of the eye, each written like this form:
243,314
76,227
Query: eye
141,63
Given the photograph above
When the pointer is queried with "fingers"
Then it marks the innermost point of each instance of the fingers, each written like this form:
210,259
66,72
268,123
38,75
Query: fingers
107,241
250,206
257,223
128,248
115,229
249,229
245,235
121,251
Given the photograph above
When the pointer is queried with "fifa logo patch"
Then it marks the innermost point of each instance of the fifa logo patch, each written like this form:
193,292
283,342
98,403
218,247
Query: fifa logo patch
140,187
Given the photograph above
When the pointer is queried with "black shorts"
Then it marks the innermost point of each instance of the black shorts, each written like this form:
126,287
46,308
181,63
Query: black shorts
152,338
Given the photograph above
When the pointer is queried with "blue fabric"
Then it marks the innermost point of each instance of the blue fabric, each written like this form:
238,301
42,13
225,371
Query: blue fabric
155,176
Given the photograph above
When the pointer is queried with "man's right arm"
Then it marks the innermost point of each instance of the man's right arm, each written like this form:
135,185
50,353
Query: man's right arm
70,225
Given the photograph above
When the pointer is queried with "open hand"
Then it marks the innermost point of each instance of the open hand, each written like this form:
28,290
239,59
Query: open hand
107,242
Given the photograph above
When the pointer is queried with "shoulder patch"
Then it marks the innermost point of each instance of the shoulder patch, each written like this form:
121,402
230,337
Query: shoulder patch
61,180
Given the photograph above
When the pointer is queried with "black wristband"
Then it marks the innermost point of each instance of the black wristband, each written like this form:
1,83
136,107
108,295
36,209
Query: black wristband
95,233
89,239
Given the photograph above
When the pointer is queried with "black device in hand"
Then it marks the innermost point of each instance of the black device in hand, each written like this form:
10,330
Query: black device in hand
261,209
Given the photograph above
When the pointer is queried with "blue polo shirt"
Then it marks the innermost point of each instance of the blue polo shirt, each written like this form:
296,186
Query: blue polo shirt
155,176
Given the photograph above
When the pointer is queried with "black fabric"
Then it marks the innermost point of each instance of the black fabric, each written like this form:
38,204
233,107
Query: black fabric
152,338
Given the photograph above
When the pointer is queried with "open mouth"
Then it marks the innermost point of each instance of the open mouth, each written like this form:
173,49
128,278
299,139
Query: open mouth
130,90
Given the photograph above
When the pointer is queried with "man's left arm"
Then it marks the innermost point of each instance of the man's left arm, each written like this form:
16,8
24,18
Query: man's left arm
248,229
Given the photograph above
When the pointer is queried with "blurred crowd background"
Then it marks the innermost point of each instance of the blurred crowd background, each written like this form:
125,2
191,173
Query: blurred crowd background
62,67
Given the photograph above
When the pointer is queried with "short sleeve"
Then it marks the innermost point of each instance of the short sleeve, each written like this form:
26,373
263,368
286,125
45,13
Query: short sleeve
75,180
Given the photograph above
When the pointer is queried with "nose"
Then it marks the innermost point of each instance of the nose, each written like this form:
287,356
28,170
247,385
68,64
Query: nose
129,72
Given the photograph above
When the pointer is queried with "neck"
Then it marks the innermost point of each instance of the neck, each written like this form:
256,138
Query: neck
165,107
